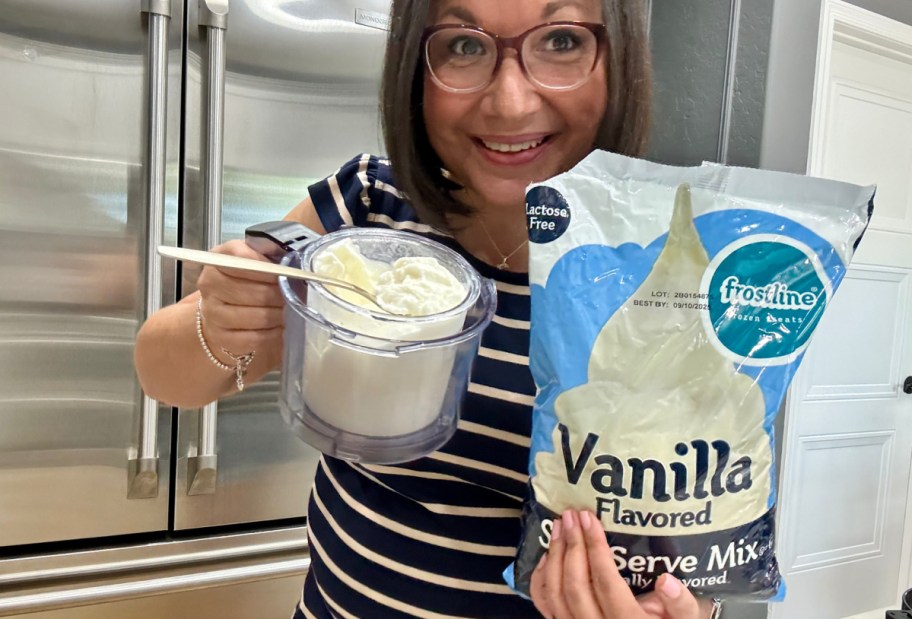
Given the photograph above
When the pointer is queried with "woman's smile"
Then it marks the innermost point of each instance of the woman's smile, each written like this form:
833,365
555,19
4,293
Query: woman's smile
515,150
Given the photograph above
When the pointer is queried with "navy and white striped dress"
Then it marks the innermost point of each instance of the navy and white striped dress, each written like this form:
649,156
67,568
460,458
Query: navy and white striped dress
429,538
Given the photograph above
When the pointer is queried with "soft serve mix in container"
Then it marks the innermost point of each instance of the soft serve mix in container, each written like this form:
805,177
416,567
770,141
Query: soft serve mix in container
363,393
378,384
670,310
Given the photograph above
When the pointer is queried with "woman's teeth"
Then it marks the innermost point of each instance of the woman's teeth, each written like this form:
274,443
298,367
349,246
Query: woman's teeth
511,148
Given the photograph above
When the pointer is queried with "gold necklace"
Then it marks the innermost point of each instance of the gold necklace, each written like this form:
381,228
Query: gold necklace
503,265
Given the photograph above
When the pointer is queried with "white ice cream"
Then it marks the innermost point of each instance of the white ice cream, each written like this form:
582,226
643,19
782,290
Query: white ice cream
410,286
381,393
660,393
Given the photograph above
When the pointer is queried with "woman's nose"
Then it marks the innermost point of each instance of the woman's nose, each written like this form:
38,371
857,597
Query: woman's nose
511,95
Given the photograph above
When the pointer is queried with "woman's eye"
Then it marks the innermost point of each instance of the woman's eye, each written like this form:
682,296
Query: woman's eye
466,46
561,42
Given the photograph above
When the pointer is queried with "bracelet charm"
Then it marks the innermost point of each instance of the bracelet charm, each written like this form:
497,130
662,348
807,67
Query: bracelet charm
241,362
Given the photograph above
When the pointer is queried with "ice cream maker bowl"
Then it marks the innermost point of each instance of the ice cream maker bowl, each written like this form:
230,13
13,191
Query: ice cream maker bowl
371,387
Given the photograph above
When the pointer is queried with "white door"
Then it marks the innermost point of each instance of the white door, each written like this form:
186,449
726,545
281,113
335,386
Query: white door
848,441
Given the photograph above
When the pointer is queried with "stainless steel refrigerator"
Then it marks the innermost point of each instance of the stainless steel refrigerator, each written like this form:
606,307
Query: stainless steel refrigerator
125,124
128,123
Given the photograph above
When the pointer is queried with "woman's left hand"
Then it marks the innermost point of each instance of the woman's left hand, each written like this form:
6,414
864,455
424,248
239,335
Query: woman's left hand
578,579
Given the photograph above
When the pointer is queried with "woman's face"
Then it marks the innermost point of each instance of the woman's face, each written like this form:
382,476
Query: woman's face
554,129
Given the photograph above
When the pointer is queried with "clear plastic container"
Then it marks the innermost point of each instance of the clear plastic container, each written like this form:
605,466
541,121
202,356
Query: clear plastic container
373,387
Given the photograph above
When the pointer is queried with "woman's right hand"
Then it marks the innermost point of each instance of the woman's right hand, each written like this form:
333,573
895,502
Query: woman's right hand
242,310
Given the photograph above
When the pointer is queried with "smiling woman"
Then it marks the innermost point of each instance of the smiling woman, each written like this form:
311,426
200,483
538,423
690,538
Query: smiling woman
479,99
489,143
551,128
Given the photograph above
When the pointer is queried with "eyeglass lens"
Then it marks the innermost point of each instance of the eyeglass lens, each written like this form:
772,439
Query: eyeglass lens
555,56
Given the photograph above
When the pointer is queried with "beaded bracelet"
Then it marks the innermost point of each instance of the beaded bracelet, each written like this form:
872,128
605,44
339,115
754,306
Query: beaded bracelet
242,362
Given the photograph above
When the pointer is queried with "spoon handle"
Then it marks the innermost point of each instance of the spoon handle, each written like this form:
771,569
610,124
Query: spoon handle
247,264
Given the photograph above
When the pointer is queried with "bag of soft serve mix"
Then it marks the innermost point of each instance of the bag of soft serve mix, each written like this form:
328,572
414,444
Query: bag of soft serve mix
670,310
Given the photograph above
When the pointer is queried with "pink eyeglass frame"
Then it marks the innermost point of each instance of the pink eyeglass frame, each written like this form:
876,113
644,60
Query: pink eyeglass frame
515,43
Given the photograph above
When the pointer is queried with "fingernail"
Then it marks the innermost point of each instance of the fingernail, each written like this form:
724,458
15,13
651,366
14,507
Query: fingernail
672,587
585,520
556,531
567,520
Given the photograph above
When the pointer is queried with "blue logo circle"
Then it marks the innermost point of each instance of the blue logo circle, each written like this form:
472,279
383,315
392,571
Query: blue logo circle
547,214
765,299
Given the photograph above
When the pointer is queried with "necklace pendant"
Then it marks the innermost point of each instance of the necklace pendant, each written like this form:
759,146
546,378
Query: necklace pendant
503,265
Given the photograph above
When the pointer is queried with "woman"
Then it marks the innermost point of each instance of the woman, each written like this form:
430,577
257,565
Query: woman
480,98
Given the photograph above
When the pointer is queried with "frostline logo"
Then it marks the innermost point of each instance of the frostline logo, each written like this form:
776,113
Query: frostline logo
774,296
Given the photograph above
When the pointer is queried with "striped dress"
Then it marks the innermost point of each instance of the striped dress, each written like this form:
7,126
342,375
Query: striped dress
429,538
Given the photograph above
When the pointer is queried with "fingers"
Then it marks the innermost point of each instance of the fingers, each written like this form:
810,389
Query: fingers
651,604
568,589
579,579
242,250
241,329
242,342
232,300
577,584
553,574
236,291
241,311
678,601
537,588
231,316
611,591
236,286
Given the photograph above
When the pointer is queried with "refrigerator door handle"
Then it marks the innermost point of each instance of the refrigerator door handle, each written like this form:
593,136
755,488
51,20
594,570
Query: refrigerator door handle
142,472
202,468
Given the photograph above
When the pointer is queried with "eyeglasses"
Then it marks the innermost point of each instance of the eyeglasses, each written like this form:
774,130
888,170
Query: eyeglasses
555,55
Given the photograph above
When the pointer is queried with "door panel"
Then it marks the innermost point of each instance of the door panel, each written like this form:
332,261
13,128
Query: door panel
848,451
821,540
846,469
880,138
869,373
72,267
301,98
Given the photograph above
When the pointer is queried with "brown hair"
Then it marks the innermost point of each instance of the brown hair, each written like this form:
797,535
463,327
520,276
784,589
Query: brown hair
416,165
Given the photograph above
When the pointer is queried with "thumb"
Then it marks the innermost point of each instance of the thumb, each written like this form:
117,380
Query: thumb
678,601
